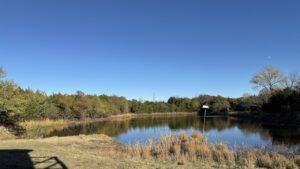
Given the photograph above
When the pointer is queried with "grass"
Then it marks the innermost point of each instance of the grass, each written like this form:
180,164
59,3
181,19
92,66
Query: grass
36,129
171,151
81,152
183,149
5,134
101,151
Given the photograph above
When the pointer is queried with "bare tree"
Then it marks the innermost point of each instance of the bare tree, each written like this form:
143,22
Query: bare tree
269,78
298,86
2,72
292,80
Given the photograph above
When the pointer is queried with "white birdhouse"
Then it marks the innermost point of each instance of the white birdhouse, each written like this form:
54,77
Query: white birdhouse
205,107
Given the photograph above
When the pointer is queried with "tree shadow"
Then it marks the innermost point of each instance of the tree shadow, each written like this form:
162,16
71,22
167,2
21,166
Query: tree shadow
20,159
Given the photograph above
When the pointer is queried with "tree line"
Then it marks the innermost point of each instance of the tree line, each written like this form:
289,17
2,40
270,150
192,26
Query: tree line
279,94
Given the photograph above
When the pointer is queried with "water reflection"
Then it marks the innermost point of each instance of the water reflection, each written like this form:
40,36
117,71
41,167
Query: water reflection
230,131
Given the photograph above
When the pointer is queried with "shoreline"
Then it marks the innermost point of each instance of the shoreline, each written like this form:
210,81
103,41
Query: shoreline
111,118
37,128
102,151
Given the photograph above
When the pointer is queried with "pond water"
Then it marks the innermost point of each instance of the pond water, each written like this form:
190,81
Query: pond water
229,131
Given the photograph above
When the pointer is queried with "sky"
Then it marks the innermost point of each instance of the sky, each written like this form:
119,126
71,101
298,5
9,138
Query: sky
136,48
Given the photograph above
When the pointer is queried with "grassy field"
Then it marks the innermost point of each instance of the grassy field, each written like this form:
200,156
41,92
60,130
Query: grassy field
93,151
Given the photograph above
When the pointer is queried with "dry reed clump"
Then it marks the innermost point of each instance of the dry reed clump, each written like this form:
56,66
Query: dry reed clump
183,137
46,122
280,161
264,161
135,150
267,160
222,155
179,148
147,150
199,138
183,148
175,150
36,129
246,158
297,160
203,152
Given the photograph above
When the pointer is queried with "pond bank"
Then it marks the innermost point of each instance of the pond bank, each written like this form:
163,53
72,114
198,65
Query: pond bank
101,151
127,129
38,128
109,118
92,151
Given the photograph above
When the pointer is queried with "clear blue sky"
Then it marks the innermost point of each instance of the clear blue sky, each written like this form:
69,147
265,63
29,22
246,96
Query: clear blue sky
136,48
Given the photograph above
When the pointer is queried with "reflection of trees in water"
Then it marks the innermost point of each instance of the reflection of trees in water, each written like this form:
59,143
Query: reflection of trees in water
277,135
285,136
114,128
108,128
218,124
181,122
248,128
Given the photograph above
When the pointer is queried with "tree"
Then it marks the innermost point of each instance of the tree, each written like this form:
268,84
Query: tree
292,80
13,100
220,104
80,105
268,78
298,86
2,72
249,102
285,101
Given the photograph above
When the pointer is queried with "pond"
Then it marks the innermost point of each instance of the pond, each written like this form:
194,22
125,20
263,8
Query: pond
217,129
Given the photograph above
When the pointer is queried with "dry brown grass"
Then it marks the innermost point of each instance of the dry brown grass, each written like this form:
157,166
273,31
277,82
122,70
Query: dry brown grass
179,148
183,149
264,161
5,134
37,129
279,161
81,152
100,151
47,122
221,154
246,158
297,160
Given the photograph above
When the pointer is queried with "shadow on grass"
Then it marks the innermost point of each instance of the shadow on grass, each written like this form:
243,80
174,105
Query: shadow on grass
17,159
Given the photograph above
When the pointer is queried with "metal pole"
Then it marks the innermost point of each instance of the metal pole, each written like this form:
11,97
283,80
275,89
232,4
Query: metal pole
203,128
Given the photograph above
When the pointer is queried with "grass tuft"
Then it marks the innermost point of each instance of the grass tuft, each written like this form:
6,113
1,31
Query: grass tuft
297,160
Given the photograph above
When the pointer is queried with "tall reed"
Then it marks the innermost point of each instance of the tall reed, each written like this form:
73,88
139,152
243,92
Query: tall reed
183,148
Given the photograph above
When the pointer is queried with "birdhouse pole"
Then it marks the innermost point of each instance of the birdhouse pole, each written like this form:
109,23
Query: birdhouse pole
205,107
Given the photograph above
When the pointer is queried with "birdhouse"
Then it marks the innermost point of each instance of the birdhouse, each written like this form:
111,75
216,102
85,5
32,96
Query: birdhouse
205,107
